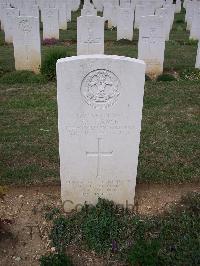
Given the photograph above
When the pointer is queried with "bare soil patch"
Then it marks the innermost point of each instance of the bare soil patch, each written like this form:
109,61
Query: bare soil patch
25,207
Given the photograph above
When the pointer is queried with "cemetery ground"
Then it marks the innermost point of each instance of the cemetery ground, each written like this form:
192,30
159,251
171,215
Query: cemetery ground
168,166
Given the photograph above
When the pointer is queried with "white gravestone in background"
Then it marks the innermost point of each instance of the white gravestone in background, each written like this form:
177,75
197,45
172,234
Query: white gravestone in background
165,13
178,6
107,13
125,24
140,11
26,41
89,11
62,17
68,11
195,27
31,11
90,35
98,4
110,12
10,15
50,23
125,3
151,45
75,5
100,100
3,5
198,57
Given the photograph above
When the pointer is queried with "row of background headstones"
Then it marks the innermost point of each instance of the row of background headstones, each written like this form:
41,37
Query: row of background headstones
153,18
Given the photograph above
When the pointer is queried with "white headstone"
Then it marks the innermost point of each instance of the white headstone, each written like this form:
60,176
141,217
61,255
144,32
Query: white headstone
140,11
125,24
61,5
90,35
195,27
125,3
171,13
178,6
30,11
165,13
50,23
68,11
100,100
108,13
75,5
151,45
198,57
3,5
89,11
98,4
26,41
10,15
189,14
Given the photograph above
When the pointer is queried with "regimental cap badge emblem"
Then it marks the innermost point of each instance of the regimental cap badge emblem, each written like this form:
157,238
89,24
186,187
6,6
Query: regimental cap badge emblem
25,25
100,89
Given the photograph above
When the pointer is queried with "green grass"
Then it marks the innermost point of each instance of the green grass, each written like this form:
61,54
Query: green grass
169,139
169,147
168,239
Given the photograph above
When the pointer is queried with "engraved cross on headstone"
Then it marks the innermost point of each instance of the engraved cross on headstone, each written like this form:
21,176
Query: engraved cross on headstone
99,154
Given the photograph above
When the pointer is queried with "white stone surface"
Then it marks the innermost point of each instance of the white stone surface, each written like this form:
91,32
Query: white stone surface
189,14
100,100
195,25
10,15
151,45
108,13
75,5
69,11
88,10
178,6
62,17
165,13
98,4
28,10
197,65
125,24
50,23
125,3
3,5
90,35
26,41
140,11
111,12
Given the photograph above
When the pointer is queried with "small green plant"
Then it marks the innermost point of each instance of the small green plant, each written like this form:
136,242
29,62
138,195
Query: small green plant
52,213
168,239
145,253
180,21
22,77
190,74
102,227
3,191
147,78
166,77
56,260
48,68
192,42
